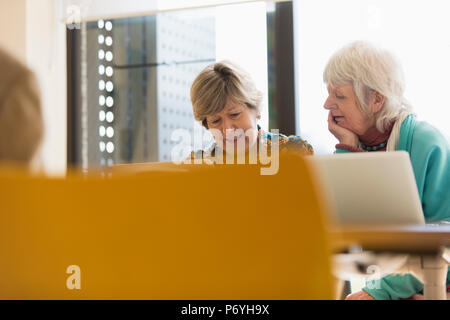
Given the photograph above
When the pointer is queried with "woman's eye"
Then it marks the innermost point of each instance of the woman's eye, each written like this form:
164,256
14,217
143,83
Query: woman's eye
338,96
215,121
235,114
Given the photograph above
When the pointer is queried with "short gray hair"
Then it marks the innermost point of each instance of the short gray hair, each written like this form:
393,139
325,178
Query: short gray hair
367,67
217,84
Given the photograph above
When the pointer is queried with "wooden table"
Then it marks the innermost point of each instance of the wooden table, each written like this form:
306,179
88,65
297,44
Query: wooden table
425,245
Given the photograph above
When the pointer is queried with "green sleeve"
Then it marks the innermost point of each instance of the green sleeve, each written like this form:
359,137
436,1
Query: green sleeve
342,151
394,287
430,159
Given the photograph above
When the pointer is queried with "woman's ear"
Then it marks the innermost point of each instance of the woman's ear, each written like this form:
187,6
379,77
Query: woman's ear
258,113
377,100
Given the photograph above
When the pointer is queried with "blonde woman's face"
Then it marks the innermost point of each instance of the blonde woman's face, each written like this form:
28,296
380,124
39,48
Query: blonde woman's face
225,125
343,106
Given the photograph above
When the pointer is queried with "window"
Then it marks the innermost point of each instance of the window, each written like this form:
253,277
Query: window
129,78
415,31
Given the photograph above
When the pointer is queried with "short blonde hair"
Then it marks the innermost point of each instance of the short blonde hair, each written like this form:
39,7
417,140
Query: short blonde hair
368,68
217,84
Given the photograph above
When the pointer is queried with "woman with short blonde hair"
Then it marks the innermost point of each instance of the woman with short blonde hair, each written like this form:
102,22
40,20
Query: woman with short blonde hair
225,98
221,82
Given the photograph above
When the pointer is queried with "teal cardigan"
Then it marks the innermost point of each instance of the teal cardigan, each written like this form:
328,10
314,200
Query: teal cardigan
429,151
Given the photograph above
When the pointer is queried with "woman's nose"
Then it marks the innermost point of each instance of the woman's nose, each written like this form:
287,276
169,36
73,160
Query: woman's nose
227,125
328,104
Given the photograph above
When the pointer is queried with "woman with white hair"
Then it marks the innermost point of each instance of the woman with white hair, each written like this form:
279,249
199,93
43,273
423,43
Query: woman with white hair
368,112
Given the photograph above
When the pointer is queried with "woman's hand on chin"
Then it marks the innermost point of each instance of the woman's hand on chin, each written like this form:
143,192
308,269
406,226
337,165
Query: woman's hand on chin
343,135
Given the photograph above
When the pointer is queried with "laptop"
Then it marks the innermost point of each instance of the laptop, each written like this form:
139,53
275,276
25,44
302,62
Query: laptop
373,188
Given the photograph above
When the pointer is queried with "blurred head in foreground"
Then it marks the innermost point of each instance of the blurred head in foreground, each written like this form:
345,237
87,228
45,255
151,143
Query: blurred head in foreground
21,123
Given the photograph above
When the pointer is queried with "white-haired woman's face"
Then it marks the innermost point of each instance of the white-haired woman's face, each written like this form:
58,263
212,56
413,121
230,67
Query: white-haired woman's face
343,106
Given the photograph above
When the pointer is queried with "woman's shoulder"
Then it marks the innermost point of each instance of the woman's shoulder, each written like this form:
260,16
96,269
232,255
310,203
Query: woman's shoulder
427,130
291,141
426,134
196,154
199,154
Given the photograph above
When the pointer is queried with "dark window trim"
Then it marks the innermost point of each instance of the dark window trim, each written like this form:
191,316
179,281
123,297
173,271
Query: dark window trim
283,83
73,41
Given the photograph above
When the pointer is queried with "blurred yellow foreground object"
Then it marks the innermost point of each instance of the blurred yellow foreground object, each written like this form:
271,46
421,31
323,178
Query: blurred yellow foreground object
202,232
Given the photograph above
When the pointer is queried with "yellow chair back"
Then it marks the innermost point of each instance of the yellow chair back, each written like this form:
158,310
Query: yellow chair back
223,232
